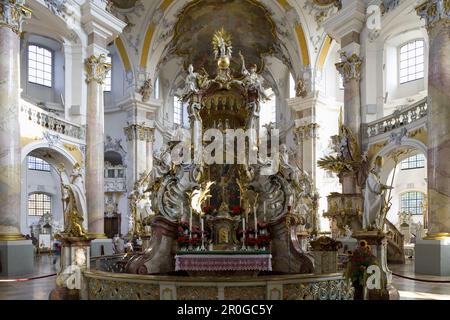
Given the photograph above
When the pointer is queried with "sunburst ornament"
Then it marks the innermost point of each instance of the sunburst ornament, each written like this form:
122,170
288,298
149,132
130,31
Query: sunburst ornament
221,42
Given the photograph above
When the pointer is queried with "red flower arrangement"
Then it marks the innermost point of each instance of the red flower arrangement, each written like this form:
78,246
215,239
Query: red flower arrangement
237,211
358,262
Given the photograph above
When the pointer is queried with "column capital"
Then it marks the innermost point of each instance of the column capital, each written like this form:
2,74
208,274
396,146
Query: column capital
139,132
349,67
13,13
433,11
96,68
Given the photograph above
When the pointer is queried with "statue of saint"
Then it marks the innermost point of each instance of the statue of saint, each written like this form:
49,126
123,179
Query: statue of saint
191,84
251,79
374,197
74,202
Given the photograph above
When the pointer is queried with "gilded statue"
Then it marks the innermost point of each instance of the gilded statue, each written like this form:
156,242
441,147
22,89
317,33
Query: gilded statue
74,202
198,196
222,44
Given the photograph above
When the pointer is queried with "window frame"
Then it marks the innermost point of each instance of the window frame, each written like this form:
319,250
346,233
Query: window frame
419,206
415,161
52,52
44,165
399,48
44,209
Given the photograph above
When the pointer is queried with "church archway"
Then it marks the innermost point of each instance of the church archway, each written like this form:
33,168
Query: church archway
41,177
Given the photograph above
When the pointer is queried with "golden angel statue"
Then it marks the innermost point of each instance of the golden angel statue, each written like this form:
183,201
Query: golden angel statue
222,44
198,196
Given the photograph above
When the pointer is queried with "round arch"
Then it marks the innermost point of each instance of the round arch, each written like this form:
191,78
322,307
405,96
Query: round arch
55,155
416,147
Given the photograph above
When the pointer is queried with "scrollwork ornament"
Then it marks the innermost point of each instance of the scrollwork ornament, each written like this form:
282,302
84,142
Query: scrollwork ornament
13,13
97,68
433,11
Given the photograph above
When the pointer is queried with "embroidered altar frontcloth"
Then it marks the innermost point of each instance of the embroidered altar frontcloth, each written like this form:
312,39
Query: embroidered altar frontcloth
219,262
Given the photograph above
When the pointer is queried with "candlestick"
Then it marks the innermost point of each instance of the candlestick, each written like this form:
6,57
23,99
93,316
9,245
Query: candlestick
243,234
203,237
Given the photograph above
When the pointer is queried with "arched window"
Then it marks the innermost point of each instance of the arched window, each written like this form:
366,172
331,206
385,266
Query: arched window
411,61
39,203
268,111
412,202
414,162
37,164
108,77
40,65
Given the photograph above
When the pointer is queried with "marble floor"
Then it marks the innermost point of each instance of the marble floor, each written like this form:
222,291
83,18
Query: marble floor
419,290
39,289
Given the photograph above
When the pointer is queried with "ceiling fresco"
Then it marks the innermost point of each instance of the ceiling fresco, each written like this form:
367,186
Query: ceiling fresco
252,32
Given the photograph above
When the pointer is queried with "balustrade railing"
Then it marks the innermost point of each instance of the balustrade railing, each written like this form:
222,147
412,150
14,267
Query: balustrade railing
399,118
51,122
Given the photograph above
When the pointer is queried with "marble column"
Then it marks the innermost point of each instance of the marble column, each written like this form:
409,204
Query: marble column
12,14
96,70
140,146
436,14
350,70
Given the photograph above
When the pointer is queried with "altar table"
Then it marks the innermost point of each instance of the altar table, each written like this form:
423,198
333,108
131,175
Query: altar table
210,261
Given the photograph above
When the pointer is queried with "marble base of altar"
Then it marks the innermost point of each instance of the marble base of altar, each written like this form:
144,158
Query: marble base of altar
239,264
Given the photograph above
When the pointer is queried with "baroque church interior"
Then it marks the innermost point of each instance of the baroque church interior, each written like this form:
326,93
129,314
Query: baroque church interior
225,149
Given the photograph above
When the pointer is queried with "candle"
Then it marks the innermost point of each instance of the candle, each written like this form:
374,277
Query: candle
190,221
256,224
201,223
243,226
264,211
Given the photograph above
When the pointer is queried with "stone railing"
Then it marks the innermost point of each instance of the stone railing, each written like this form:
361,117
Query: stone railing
51,122
395,250
397,119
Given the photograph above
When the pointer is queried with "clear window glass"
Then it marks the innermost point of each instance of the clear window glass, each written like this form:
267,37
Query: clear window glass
412,61
268,111
411,202
414,162
37,164
38,204
40,64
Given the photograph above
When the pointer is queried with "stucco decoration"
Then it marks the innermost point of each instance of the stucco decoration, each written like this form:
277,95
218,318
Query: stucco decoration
250,24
